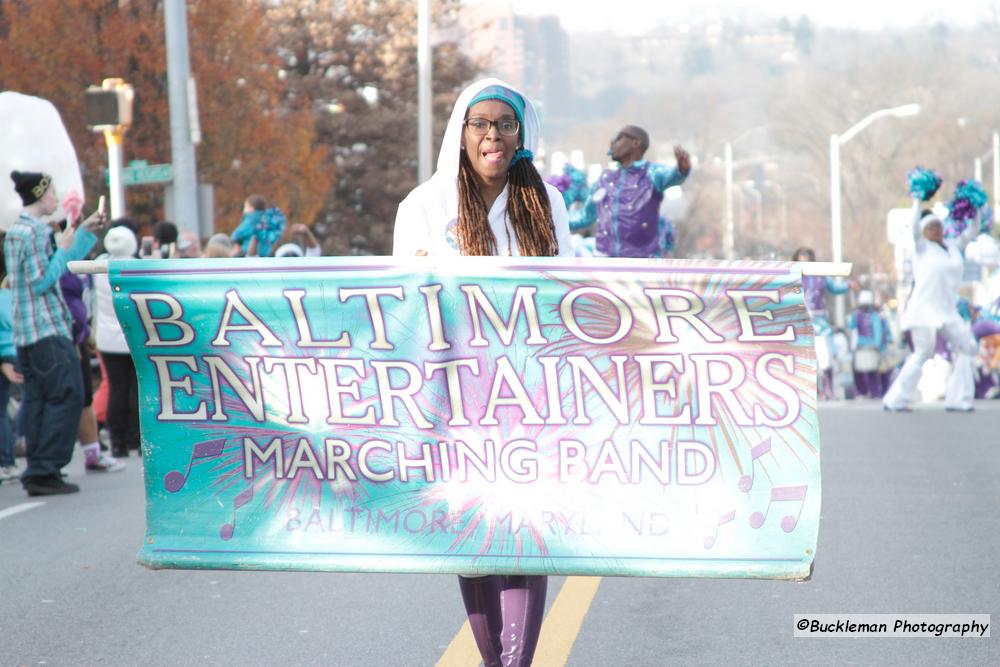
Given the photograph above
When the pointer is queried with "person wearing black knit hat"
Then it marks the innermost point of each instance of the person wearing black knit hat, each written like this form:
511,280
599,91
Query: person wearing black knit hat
31,186
53,386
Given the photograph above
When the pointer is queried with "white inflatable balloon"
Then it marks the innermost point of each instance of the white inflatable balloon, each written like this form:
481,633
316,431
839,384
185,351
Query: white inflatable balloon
34,139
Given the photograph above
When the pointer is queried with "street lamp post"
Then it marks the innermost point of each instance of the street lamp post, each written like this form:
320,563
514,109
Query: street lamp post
836,141
729,213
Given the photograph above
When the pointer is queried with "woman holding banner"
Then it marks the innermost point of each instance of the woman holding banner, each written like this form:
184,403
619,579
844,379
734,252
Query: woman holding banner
487,198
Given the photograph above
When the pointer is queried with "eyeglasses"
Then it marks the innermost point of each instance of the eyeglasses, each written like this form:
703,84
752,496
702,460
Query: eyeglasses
508,127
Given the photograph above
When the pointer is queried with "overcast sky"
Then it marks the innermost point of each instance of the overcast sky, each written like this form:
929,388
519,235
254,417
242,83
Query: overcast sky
636,16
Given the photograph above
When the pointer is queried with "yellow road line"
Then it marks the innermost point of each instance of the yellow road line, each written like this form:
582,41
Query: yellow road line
559,630
562,624
462,651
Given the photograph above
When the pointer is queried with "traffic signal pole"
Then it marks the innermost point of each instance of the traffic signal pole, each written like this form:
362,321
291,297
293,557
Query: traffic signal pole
114,138
108,109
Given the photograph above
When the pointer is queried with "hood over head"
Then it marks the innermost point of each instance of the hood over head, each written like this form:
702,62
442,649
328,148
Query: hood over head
448,158
433,205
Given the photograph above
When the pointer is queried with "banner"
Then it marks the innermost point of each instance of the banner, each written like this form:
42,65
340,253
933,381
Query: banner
475,415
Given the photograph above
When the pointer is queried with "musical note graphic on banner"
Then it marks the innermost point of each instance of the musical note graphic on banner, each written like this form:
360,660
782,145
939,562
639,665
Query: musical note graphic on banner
724,519
757,451
782,494
174,480
227,530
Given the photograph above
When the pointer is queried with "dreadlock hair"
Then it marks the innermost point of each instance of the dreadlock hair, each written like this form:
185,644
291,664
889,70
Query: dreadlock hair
528,211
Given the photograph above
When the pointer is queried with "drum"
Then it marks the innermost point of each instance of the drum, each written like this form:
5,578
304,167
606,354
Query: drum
866,359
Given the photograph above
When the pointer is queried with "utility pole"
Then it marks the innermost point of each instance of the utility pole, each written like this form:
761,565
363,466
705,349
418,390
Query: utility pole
183,127
424,77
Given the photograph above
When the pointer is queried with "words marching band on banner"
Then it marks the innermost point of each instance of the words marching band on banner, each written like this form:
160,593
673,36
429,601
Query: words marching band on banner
288,383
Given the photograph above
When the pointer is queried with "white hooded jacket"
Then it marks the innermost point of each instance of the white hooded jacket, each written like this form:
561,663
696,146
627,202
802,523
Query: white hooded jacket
427,219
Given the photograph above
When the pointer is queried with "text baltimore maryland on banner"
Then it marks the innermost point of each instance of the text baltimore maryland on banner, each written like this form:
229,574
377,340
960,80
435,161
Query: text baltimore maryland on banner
475,416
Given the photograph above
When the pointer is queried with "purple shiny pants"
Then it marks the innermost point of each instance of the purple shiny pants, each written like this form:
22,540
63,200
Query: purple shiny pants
505,614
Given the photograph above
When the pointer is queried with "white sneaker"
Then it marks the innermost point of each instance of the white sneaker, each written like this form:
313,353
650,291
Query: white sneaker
8,473
105,463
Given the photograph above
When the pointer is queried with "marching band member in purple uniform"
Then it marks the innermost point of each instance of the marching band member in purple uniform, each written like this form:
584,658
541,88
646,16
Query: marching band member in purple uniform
869,339
625,202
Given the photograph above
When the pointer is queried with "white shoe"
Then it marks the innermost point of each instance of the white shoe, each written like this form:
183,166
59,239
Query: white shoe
8,473
105,463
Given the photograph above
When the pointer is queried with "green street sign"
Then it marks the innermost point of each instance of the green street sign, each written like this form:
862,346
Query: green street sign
138,172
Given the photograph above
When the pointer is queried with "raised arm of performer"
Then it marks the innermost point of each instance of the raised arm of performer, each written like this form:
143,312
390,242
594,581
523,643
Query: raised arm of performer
915,227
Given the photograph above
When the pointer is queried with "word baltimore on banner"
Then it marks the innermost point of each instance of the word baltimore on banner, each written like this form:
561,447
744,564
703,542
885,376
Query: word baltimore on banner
491,416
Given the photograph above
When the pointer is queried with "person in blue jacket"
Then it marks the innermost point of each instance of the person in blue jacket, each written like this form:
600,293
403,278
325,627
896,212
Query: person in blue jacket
265,224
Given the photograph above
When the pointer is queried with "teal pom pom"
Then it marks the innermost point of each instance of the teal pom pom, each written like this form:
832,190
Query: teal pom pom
923,183
576,190
572,183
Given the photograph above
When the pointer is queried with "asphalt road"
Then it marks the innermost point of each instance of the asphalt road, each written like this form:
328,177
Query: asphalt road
909,525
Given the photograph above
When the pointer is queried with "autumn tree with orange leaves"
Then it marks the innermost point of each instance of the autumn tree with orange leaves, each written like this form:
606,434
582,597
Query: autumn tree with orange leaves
356,61
257,138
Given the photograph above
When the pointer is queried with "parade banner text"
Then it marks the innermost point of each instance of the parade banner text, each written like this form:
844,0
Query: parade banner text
539,417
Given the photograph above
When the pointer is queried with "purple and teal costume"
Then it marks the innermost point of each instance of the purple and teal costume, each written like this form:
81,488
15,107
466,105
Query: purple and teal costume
625,204
814,289
872,334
